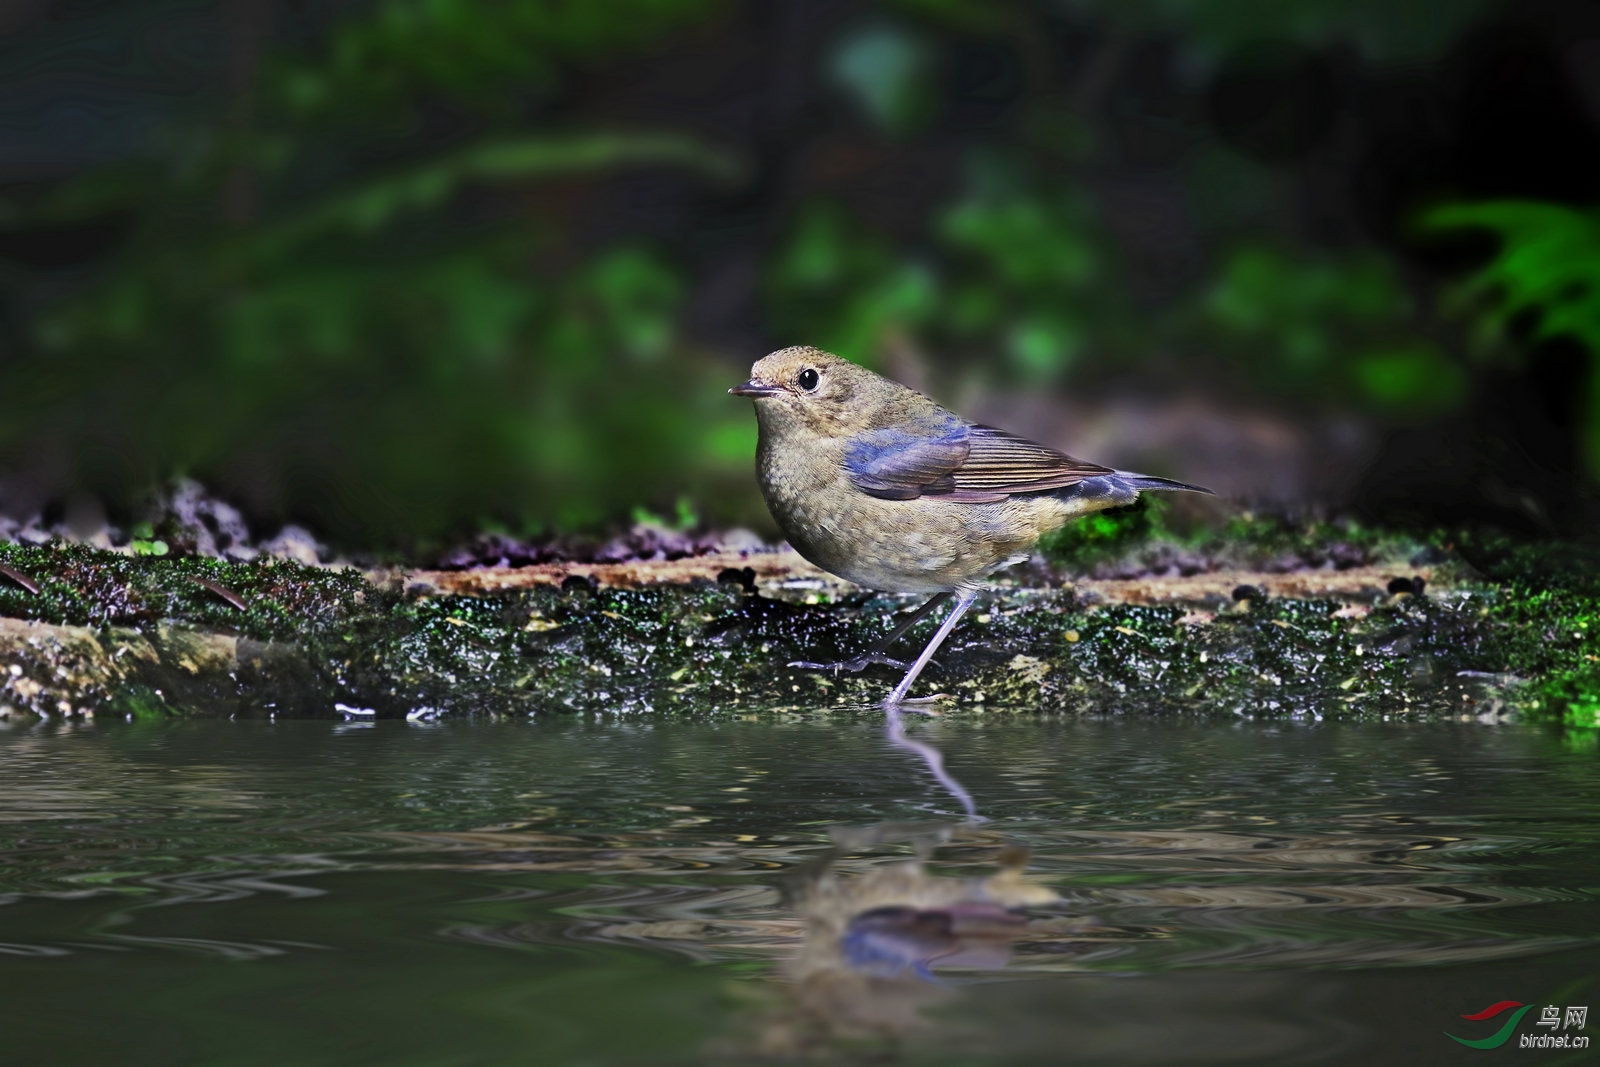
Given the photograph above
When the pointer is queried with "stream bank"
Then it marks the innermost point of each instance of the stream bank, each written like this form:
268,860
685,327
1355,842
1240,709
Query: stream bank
1402,630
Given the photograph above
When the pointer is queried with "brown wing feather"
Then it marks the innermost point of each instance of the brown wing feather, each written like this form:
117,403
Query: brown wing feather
958,461
1000,463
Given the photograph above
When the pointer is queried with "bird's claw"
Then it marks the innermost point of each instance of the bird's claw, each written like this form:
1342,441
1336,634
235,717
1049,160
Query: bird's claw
860,663
920,705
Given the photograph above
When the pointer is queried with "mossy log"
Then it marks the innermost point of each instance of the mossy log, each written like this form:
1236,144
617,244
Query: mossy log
102,632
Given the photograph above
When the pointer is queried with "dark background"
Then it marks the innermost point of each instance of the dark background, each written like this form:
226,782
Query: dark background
405,269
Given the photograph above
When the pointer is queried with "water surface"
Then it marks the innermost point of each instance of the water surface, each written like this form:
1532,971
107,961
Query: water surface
577,892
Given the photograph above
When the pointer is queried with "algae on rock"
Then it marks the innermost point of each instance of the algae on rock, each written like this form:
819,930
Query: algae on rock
109,631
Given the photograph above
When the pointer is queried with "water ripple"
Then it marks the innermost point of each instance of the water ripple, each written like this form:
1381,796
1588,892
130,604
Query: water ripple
687,844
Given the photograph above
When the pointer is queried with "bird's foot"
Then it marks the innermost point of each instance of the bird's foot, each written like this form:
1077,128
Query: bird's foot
920,705
860,663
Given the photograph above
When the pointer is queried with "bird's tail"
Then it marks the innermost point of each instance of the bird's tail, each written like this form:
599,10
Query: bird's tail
1117,489
1142,482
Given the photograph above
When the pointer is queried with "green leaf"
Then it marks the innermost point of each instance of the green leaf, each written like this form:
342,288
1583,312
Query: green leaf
1547,266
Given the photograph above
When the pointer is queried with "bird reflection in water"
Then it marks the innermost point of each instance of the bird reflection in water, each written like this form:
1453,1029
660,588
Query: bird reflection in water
876,934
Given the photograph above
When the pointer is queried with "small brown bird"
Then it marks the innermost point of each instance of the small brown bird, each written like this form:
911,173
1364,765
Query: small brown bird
878,484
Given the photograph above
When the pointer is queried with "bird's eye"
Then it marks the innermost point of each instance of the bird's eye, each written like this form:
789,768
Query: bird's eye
807,379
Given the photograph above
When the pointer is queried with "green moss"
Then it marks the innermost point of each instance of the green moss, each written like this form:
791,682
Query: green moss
1524,635
84,586
1146,535
1546,610
141,702
1106,534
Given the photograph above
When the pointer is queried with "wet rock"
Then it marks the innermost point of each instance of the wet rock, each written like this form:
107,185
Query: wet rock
194,522
297,544
644,542
1421,671
712,634
735,540
1344,556
1412,586
489,550
32,533
85,521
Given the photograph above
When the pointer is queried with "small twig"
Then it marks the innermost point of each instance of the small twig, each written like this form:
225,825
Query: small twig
222,591
21,579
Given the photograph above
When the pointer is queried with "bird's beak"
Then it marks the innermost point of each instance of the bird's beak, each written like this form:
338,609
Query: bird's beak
755,388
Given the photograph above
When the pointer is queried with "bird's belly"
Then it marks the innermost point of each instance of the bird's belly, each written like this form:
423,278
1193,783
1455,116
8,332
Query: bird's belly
907,546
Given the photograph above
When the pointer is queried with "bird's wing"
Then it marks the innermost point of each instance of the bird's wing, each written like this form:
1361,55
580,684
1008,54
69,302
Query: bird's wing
1001,462
958,461
900,464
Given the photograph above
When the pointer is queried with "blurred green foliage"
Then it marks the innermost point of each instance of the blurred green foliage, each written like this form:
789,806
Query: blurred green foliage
844,288
887,69
1031,278
319,328
1003,271
482,56
382,285
1020,274
1546,273
1381,29
1312,325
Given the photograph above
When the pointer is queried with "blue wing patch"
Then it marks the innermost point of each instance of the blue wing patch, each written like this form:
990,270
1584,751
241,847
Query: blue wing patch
895,464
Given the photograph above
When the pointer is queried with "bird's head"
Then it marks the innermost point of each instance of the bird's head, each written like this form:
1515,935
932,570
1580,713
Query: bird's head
828,395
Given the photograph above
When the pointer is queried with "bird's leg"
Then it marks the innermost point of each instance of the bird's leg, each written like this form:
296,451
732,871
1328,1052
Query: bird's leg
962,604
875,654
